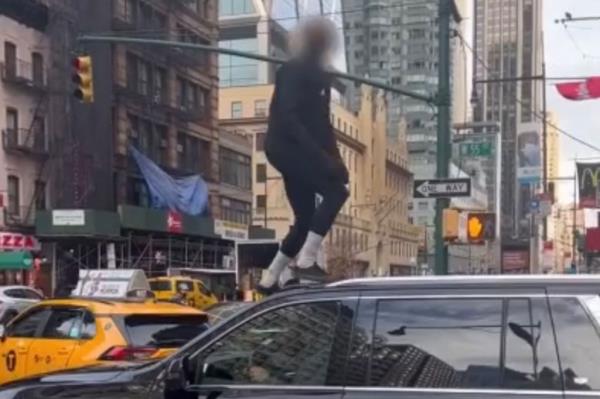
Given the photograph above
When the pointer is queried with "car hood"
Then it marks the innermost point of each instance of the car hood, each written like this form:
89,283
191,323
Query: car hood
87,375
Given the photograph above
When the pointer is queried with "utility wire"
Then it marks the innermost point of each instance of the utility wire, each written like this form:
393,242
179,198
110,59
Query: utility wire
531,111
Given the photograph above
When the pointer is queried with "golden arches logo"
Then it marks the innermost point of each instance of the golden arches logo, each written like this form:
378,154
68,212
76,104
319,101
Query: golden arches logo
593,172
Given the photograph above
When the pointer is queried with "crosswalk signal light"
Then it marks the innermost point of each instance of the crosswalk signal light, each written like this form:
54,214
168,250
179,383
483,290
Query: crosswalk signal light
481,226
83,78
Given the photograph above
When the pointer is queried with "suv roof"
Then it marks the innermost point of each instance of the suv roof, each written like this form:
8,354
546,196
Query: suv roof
568,284
508,281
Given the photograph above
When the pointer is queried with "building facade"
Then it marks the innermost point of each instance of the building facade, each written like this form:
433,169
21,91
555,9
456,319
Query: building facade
25,59
162,101
246,25
396,42
508,42
371,236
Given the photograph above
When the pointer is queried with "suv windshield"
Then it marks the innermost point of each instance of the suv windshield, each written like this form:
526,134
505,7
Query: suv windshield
164,331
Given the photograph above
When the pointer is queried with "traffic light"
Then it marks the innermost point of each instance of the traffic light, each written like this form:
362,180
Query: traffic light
481,226
83,78
450,219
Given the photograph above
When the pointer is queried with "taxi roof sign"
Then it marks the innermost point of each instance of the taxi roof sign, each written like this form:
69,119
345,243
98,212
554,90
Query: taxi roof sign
112,284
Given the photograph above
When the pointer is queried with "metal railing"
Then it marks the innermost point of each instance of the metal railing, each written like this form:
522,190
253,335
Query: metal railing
31,140
15,215
23,72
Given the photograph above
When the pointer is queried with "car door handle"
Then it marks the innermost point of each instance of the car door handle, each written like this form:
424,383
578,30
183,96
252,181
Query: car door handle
63,351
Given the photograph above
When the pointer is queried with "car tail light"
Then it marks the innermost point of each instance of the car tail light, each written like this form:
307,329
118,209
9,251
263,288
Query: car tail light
117,353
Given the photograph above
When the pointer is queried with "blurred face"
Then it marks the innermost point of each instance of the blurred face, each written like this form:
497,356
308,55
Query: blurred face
319,37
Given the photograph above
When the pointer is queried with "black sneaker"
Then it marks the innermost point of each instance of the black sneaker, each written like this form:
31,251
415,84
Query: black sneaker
312,273
267,290
291,282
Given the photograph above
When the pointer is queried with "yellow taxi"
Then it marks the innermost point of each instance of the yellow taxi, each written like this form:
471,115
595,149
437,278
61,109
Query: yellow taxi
182,289
71,333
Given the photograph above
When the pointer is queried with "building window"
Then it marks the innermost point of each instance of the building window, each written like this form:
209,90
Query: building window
159,86
261,201
235,7
260,108
14,203
129,10
37,69
143,78
193,154
236,71
235,168
236,110
137,192
10,59
12,126
261,173
40,194
260,141
236,211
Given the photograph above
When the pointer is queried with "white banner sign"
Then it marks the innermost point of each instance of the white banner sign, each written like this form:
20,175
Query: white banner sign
231,230
68,217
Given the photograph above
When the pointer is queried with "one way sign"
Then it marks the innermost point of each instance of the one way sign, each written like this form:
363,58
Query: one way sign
438,188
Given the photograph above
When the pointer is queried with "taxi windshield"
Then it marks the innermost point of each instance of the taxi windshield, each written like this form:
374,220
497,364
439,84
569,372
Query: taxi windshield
161,285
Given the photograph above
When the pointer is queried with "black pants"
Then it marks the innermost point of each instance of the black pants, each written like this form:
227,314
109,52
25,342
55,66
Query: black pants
303,179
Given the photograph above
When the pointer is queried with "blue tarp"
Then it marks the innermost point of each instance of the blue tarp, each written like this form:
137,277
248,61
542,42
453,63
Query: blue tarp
187,195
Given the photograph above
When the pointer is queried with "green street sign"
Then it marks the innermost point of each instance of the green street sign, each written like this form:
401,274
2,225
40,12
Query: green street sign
475,149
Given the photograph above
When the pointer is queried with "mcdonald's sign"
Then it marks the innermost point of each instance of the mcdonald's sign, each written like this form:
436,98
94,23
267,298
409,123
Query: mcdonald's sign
588,176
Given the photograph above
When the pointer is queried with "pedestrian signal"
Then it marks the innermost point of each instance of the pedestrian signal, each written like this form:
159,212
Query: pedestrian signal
83,78
481,226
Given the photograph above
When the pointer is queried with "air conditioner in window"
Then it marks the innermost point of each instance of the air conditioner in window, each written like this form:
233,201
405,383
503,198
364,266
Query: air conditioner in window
228,262
179,148
156,99
163,143
133,133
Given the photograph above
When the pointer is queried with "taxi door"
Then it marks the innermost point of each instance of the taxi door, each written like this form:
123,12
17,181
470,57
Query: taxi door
16,344
205,298
57,341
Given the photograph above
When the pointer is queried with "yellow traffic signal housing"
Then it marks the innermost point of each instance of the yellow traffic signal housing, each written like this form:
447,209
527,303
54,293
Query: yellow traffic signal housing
450,223
481,226
84,79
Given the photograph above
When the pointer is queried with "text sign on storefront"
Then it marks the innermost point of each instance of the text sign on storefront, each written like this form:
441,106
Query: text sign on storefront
14,241
62,217
230,230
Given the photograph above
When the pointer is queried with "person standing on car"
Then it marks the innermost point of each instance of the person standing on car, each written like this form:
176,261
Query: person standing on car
301,145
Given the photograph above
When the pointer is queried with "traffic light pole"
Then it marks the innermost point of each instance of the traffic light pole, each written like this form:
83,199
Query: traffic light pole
443,131
258,57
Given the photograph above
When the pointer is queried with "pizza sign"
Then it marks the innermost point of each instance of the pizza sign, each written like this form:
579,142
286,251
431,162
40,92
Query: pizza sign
19,241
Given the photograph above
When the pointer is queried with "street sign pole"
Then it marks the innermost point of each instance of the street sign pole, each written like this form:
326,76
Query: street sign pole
443,130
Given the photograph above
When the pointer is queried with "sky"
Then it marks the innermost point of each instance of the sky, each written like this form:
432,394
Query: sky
576,56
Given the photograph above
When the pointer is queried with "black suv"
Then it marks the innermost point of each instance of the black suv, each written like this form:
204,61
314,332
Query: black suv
456,337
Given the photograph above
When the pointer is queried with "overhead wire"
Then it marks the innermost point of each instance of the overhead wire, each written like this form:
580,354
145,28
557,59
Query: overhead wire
531,111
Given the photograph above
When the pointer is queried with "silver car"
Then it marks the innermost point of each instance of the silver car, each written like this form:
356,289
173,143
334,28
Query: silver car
16,298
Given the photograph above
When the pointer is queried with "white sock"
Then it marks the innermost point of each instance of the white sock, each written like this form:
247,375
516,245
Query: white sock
310,250
285,276
271,275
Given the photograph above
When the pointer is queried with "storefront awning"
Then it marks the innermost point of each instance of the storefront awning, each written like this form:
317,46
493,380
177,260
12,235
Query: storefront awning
17,260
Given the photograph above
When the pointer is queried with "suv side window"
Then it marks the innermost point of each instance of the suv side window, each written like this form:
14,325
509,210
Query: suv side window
15,293
531,360
304,344
437,343
578,344
28,324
